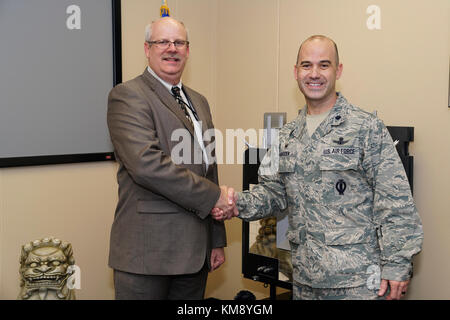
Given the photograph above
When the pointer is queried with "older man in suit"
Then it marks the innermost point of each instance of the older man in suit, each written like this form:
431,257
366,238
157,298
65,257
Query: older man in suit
163,239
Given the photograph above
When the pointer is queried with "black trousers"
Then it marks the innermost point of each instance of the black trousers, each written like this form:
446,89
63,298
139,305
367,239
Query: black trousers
130,286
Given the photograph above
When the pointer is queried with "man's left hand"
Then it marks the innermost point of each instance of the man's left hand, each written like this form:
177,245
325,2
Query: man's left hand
397,289
217,258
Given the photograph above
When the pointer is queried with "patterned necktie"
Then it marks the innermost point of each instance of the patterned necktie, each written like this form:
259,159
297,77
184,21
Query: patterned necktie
177,95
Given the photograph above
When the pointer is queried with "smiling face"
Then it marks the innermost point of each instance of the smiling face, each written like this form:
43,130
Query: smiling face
316,73
167,63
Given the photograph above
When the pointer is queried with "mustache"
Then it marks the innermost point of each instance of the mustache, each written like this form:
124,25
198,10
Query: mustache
171,56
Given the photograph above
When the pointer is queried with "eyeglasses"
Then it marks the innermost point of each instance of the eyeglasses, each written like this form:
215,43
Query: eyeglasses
164,44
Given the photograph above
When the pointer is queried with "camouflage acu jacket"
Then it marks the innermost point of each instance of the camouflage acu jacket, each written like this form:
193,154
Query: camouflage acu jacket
350,206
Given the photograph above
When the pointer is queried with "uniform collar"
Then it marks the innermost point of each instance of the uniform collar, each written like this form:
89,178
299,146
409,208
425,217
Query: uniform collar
337,116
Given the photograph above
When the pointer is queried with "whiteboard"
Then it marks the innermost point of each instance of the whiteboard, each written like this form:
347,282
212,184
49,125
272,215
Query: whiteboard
58,62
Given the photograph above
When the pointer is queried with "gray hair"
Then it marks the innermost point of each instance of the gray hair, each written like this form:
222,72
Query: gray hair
148,29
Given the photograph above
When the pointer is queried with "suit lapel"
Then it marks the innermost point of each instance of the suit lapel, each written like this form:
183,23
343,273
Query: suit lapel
167,99
198,105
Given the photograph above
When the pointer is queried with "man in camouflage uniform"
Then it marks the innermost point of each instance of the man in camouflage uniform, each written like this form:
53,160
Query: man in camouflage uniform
353,225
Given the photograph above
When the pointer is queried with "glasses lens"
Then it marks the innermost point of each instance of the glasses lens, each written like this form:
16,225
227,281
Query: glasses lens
164,44
180,43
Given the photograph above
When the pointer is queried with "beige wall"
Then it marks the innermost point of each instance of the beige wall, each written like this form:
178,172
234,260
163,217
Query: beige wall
74,203
242,57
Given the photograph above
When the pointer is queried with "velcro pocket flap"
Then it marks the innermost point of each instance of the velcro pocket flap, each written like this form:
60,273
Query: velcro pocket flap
339,158
342,236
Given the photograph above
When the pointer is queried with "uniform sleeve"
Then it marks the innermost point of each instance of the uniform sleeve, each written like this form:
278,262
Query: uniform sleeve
268,196
400,231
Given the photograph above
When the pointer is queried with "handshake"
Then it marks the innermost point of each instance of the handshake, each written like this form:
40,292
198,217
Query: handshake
225,208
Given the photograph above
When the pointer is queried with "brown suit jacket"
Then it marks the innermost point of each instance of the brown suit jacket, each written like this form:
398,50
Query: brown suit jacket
162,224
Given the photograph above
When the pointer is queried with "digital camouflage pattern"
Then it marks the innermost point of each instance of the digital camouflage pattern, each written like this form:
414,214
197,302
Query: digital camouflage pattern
301,292
349,201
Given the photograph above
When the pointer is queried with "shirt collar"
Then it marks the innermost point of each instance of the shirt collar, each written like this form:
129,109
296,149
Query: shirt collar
164,83
335,117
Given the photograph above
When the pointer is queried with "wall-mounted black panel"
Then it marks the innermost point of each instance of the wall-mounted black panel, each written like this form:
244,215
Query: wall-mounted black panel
404,135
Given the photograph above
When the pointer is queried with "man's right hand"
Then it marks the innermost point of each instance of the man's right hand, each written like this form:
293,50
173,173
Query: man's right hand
225,208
